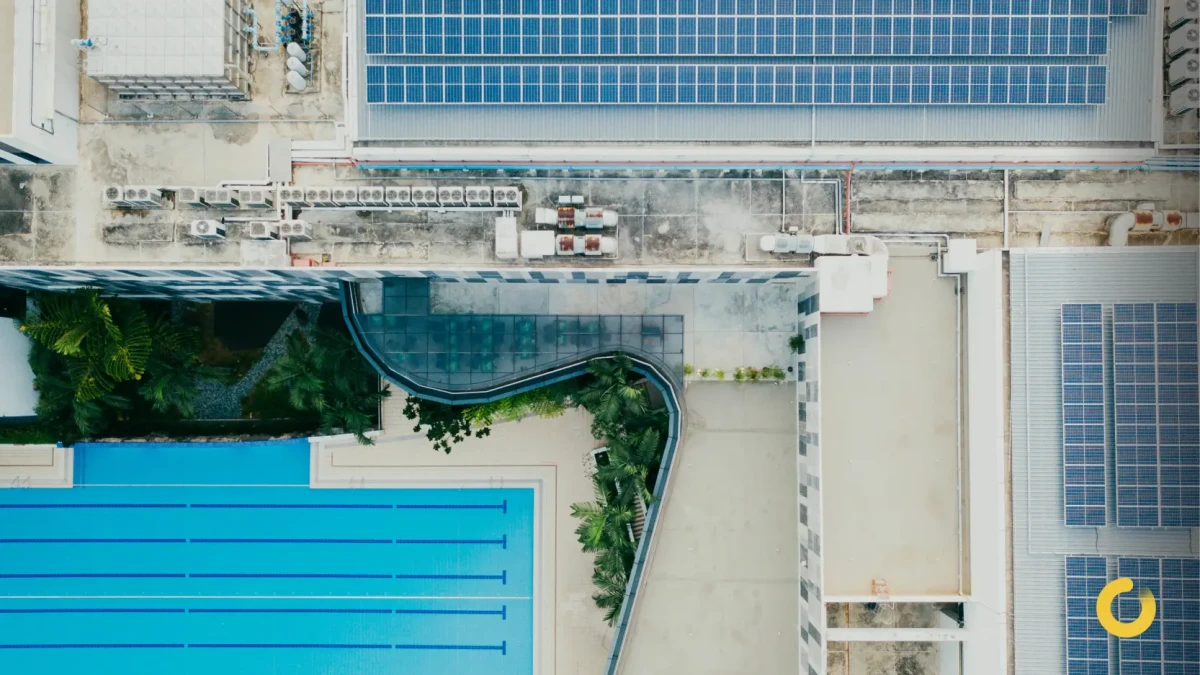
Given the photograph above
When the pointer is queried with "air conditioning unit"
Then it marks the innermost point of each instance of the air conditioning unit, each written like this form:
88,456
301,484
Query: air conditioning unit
207,229
320,197
479,195
261,229
398,196
295,230
1185,39
143,196
786,243
258,198
425,196
1180,12
452,195
371,196
114,197
191,197
1185,99
507,197
293,196
221,198
346,196
1184,69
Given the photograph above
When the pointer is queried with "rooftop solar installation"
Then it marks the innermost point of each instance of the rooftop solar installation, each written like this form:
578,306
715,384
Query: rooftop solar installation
1172,644
1156,415
1084,495
457,84
1087,641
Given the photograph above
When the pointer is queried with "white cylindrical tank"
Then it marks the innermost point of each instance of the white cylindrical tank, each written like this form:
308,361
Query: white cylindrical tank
610,218
608,245
296,66
296,51
296,81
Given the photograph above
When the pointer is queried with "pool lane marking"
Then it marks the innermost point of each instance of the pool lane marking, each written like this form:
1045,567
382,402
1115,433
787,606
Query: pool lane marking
93,541
502,647
502,612
502,541
272,598
502,507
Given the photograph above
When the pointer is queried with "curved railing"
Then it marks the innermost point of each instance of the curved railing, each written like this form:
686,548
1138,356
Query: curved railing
655,373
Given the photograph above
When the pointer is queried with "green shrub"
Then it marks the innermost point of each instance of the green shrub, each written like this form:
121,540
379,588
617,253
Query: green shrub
796,342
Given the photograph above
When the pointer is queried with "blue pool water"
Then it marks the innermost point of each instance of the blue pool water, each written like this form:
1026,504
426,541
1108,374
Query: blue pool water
218,558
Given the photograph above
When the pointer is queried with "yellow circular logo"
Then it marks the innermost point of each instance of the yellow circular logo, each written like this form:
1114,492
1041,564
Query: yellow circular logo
1122,629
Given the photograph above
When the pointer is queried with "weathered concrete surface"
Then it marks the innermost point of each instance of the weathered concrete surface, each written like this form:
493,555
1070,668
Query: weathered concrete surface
721,590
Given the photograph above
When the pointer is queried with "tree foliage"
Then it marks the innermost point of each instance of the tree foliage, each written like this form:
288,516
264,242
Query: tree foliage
174,371
611,395
444,425
548,401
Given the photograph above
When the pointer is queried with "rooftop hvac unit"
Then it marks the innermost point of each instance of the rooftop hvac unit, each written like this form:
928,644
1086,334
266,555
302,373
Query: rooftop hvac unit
586,244
143,197
346,196
786,243
479,195
192,197
1184,69
292,196
221,198
258,198
425,196
452,195
261,229
114,197
508,197
398,196
320,197
1183,40
544,216
1180,12
207,229
1185,99
370,196
295,230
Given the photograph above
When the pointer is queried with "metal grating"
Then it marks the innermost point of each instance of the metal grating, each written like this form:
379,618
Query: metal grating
1172,644
474,84
1084,496
1087,641
1156,415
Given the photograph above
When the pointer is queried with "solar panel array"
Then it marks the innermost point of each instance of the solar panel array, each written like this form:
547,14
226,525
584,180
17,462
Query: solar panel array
712,51
1087,641
713,84
1156,415
1172,644
1084,495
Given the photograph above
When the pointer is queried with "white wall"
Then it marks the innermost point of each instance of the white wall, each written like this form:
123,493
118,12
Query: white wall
17,397
45,81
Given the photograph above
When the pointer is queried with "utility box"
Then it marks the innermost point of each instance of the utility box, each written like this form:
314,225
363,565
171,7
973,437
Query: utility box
960,256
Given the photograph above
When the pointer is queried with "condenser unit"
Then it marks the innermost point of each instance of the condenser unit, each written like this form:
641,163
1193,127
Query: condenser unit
371,196
1185,99
1180,12
143,197
207,229
398,196
1183,40
293,196
425,196
257,198
261,229
295,230
114,197
221,198
319,197
507,197
191,197
346,196
479,195
452,195
1184,69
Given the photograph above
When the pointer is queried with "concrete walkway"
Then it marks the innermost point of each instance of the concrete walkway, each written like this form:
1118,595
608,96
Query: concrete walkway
721,591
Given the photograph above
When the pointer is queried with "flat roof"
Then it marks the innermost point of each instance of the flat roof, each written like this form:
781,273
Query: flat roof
889,439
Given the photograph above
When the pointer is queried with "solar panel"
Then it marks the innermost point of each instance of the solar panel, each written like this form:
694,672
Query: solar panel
676,84
1087,641
1084,496
1157,416
691,28
1172,644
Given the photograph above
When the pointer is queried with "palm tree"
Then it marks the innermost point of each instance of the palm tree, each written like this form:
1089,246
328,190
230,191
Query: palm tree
174,372
630,458
610,582
58,408
604,524
610,395
298,373
105,341
548,401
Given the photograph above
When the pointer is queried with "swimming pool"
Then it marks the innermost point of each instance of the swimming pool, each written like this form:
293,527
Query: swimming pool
219,558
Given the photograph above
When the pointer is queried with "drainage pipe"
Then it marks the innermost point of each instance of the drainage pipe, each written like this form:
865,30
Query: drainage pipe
252,29
1005,210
